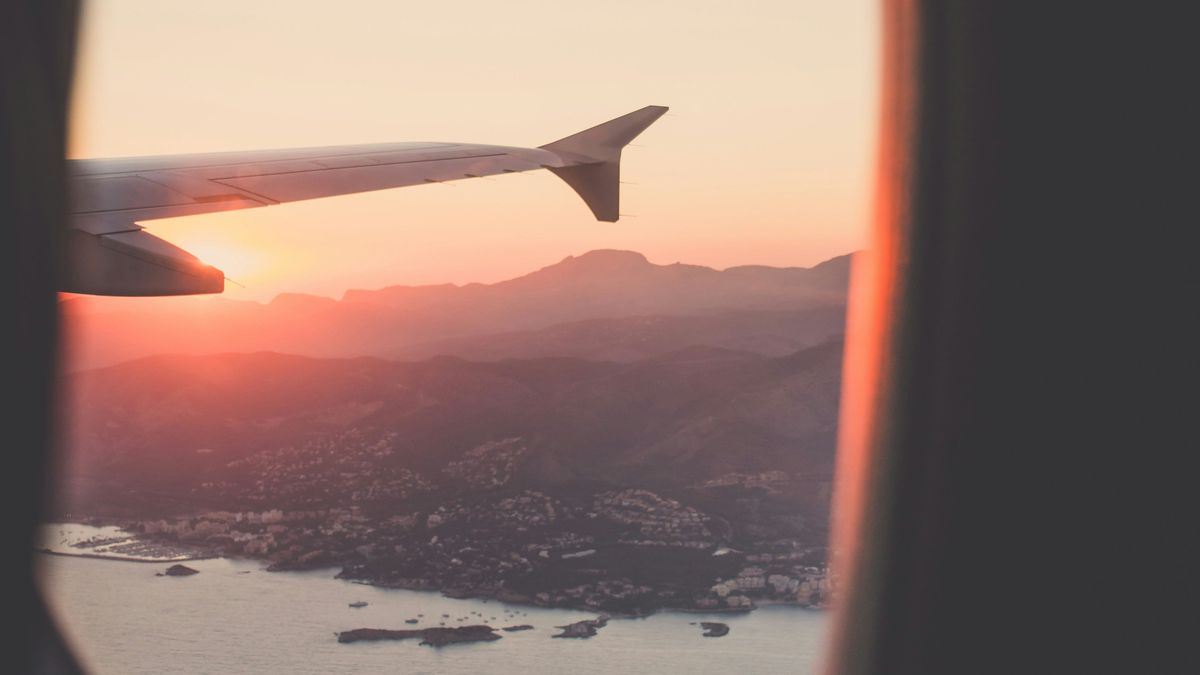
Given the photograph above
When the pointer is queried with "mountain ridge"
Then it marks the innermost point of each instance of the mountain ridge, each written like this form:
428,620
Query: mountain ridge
404,320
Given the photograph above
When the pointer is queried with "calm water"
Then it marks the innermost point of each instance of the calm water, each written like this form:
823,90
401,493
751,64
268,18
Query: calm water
234,617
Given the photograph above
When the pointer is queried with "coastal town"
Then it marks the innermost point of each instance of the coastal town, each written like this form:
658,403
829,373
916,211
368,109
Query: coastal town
629,551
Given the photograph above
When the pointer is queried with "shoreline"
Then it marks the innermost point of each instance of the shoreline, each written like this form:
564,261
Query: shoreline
455,594
498,594
514,598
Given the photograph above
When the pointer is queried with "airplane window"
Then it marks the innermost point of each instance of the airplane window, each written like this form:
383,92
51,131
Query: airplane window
579,381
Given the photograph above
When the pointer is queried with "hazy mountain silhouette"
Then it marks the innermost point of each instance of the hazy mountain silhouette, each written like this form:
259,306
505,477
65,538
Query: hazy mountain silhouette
769,333
612,305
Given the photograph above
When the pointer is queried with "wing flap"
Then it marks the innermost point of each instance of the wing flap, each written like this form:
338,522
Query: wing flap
199,190
135,263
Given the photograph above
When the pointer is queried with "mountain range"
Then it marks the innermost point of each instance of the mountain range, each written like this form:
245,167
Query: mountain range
604,305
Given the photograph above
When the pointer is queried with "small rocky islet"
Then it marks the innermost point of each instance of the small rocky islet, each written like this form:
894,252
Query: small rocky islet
179,571
582,629
433,637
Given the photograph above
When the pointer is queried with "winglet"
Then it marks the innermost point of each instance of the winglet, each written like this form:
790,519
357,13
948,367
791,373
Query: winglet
596,156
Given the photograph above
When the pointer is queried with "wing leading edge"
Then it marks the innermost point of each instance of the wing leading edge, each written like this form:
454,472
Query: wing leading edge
109,254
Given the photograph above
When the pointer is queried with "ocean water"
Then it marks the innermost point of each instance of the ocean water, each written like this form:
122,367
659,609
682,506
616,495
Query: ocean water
235,617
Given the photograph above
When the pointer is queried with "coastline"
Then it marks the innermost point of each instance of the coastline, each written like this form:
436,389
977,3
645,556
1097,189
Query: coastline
231,621
155,549
514,598
503,595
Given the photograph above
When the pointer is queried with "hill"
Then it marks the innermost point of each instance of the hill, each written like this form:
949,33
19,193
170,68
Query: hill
222,429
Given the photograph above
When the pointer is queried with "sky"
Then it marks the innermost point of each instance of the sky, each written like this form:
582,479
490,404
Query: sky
765,158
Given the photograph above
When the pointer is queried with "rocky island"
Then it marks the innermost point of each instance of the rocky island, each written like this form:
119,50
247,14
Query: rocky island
582,629
433,637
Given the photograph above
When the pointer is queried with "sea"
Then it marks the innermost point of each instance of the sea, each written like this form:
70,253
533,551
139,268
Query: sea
120,617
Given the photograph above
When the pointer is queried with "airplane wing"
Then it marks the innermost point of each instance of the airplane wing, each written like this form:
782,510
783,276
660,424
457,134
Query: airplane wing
109,254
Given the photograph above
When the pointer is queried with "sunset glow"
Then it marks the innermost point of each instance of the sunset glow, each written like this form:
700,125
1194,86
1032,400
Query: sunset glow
764,159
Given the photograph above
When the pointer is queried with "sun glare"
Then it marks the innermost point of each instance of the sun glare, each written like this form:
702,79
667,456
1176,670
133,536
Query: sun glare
238,261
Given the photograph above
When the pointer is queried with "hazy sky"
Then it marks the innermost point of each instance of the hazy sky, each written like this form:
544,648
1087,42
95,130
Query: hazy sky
765,157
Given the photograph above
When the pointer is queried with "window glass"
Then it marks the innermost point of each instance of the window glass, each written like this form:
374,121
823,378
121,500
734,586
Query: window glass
466,411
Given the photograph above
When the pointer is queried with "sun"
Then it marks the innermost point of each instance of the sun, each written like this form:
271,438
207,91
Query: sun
240,261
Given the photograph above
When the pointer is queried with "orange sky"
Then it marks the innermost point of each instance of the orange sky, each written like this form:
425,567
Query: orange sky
765,158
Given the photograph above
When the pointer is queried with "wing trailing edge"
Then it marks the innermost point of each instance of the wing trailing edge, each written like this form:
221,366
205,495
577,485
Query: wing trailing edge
134,263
